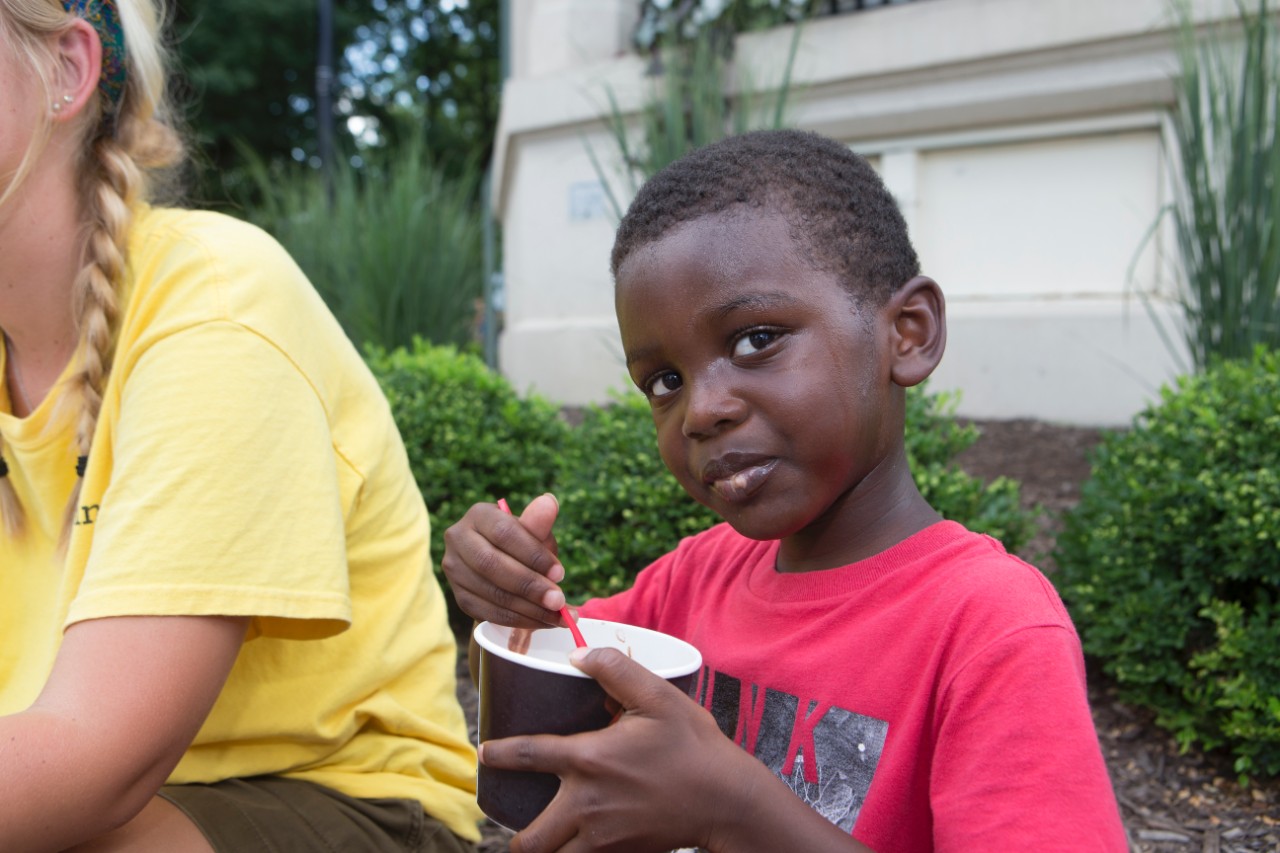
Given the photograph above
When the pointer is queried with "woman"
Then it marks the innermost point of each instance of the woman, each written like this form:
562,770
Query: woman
219,628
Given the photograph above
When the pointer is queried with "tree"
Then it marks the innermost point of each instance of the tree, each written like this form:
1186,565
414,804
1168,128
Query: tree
247,78
432,66
247,74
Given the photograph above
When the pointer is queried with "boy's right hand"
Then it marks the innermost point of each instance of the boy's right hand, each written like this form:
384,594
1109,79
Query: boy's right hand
504,569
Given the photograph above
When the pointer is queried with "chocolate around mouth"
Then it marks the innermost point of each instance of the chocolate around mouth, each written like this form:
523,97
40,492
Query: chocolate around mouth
742,483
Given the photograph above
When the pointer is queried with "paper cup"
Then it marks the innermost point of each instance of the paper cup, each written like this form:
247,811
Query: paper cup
537,691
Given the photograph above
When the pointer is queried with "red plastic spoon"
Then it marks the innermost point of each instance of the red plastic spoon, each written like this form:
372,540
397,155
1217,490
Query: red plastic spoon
564,611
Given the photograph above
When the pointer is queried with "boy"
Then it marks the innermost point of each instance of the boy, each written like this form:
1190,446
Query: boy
901,682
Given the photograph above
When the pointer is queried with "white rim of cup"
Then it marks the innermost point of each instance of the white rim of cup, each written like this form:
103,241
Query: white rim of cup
586,626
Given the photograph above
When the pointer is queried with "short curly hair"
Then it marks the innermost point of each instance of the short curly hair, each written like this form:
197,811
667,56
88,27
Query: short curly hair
842,216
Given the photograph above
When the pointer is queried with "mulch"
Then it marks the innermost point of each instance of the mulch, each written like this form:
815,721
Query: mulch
1171,801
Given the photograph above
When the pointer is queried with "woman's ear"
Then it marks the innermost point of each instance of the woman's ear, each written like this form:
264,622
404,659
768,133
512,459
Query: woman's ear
919,333
79,67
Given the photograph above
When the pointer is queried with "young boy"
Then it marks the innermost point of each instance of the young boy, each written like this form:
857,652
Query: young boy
872,671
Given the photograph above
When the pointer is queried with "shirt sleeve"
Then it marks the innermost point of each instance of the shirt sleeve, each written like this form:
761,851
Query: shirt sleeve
224,495
1017,757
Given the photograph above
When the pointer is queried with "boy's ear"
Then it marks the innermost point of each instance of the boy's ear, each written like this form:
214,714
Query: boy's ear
919,333
80,64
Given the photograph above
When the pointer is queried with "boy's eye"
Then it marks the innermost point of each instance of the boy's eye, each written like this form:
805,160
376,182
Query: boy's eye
753,341
663,384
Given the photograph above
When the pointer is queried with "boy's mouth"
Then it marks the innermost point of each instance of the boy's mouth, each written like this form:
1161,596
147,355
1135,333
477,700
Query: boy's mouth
736,476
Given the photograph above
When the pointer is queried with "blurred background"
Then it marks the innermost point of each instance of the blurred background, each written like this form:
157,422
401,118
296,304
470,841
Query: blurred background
471,159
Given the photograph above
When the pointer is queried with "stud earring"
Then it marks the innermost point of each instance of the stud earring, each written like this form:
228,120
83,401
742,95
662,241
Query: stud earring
57,107
66,99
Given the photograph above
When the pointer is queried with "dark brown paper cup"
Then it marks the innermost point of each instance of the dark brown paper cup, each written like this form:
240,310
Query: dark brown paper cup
540,692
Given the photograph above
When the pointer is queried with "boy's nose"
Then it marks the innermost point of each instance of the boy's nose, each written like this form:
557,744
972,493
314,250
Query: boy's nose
710,407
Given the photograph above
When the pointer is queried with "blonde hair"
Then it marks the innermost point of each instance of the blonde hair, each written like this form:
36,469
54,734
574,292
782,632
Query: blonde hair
121,154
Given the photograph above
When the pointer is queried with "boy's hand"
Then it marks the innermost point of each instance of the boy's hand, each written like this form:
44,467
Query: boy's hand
661,777
504,569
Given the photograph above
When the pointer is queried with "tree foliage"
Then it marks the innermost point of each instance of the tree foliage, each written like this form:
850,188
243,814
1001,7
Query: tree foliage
433,66
247,77
247,73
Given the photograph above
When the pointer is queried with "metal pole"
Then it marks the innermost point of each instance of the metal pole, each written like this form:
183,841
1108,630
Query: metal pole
494,283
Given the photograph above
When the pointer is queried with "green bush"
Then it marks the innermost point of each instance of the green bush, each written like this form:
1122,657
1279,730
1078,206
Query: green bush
469,436
1170,565
620,506
933,439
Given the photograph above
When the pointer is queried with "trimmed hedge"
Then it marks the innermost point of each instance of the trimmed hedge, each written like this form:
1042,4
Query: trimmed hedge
469,436
620,507
1170,563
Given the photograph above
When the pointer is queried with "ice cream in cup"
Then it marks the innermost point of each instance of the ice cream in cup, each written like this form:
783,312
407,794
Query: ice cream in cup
528,686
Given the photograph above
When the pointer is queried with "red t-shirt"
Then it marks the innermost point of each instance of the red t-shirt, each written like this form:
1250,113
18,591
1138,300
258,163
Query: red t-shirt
930,698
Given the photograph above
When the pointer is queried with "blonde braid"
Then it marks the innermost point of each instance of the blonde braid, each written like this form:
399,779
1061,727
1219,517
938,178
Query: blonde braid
108,206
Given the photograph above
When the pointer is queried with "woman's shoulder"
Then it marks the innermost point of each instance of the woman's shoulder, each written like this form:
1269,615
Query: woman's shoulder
217,264
192,268
171,230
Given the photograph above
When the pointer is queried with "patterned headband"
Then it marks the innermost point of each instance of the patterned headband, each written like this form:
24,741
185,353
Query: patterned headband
106,20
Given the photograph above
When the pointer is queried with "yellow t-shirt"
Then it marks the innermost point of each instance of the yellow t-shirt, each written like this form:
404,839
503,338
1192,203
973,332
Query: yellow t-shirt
246,463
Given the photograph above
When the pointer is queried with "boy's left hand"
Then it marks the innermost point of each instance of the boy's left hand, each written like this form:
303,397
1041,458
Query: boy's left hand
659,778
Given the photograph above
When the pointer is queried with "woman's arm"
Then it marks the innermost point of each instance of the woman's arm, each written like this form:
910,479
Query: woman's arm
124,700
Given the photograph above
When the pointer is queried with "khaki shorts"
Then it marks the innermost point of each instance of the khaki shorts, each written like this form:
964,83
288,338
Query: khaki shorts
277,815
